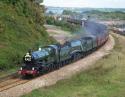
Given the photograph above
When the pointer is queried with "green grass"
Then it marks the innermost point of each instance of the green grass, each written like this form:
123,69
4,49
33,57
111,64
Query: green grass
105,79
8,72
21,28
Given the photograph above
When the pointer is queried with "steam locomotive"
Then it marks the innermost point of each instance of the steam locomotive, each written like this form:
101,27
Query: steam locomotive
55,56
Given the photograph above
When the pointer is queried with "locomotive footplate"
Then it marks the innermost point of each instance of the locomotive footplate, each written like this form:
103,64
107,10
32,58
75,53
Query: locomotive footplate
28,72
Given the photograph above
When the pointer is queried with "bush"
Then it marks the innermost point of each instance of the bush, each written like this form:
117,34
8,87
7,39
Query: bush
63,24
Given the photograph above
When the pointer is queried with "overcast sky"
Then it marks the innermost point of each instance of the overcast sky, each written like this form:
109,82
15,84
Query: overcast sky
86,3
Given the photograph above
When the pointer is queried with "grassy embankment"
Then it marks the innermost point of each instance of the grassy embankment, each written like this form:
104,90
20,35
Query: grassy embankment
21,28
104,79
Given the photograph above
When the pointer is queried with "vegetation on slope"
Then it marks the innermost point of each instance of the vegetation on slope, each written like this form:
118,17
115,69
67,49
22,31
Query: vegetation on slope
21,28
104,79
63,24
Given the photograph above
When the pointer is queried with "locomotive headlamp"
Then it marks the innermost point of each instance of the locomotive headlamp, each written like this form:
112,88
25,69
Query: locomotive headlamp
33,68
21,68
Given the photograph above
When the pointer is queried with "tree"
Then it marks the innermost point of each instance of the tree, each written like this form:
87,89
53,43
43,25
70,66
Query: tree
67,12
38,1
50,13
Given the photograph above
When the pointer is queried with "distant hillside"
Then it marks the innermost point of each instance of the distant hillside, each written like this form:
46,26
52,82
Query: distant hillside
118,15
21,28
59,10
94,13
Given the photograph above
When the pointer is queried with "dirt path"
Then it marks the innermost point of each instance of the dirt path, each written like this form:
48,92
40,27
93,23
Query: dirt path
63,73
60,35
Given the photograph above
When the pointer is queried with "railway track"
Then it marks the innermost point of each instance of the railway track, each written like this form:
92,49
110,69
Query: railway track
10,76
10,83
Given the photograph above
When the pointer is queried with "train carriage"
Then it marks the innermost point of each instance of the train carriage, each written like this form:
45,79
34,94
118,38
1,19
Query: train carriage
65,52
88,43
